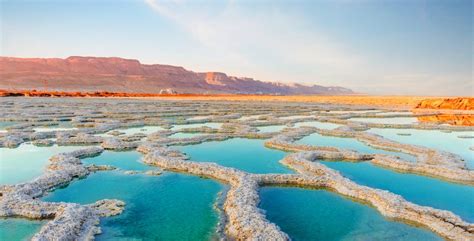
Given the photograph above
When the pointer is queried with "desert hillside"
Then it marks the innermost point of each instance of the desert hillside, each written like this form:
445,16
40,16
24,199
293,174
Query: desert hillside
86,74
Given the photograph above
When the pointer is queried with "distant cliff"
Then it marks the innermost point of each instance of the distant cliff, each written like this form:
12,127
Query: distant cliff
130,76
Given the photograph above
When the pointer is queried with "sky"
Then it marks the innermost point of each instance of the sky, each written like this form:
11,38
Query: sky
396,47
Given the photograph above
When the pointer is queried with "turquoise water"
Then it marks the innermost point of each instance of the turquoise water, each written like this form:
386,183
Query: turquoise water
348,143
275,128
167,207
197,125
434,139
246,154
27,161
390,120
5,124
185,135
418,189
322,215
318,124
130,160
16,229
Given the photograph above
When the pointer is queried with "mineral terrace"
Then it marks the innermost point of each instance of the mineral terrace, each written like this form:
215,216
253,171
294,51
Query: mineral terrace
91,118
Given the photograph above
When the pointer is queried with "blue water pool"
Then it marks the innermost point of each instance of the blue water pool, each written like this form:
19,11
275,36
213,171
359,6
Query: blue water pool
246,154
322,215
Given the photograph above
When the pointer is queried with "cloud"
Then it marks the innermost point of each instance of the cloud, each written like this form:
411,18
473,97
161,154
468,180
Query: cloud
274,44
244,35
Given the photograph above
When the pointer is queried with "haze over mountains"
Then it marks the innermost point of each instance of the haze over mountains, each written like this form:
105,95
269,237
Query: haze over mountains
130,76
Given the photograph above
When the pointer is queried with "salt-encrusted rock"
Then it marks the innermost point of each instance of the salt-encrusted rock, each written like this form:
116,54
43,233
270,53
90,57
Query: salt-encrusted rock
115,133
153,172
131,172
116,144
74,222
429,162
391,205
134,137
44,142
95,168
69,221
108,207
79,139
244,221
11,141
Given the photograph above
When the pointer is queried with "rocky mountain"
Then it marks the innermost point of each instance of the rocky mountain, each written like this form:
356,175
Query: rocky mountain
130,76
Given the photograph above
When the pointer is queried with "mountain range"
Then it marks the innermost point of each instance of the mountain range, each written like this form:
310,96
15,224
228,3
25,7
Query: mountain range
114,74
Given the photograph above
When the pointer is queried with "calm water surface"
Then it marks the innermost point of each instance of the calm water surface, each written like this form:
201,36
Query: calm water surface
27,161
129,160
246,154
348,143
16,229
322,215
434,139
414,188
167,207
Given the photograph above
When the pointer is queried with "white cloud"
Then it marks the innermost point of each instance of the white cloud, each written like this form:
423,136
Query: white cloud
241,33
271,45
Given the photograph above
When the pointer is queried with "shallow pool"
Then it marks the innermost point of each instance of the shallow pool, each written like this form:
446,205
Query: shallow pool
16,229
27,161
130,160
5,124
433,139
167,207
246,154
349,143
321,215
414,188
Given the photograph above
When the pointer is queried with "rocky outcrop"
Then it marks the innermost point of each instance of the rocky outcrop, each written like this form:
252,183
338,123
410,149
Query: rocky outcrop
464,103
459,120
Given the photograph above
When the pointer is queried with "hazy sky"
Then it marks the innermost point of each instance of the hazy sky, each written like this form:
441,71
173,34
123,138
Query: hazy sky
379,47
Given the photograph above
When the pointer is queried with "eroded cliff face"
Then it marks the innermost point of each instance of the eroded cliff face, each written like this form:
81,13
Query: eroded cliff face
462,103
130,76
